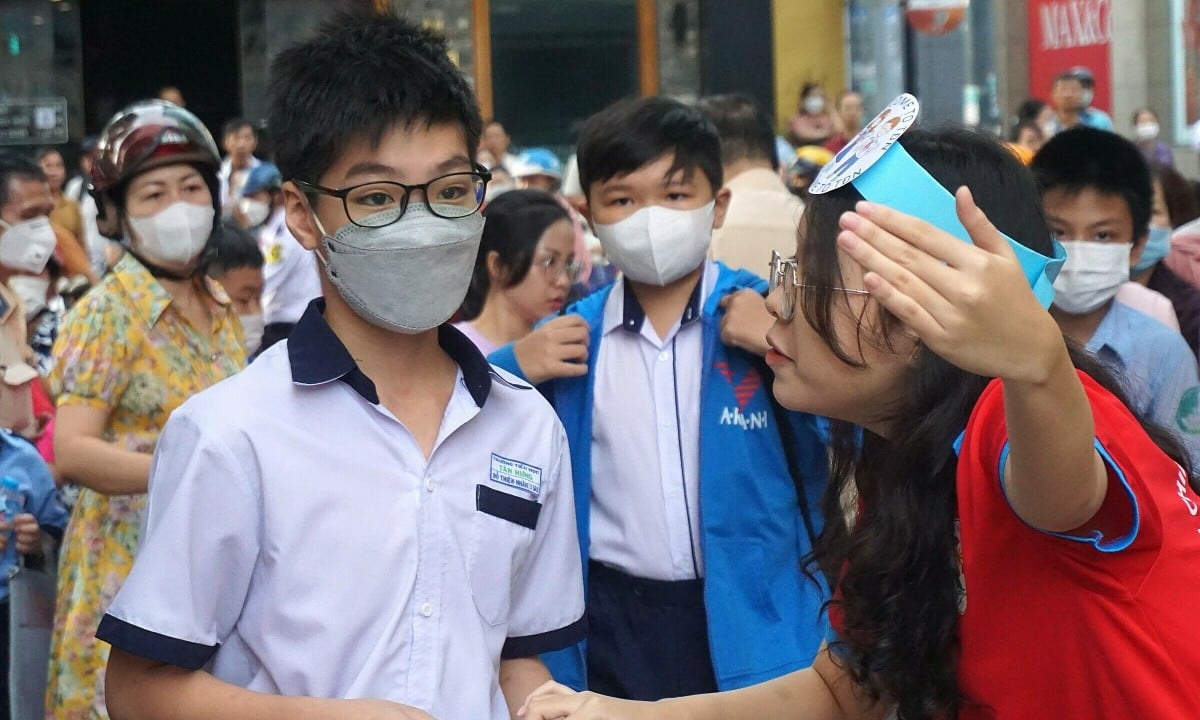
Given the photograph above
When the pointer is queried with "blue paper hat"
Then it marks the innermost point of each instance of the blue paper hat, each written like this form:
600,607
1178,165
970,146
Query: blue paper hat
884,173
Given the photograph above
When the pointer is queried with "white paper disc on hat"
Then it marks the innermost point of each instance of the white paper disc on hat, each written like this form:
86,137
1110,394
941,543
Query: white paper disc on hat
868,145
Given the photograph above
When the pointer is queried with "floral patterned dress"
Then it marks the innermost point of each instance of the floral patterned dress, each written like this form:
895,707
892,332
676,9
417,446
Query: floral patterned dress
125,350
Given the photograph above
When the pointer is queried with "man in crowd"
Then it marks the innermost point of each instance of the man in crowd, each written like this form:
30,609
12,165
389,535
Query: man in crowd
762,214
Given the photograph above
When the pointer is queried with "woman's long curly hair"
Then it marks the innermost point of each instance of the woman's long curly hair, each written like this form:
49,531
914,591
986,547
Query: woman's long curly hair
894,564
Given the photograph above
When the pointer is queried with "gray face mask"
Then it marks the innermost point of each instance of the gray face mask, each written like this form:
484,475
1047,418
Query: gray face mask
407,277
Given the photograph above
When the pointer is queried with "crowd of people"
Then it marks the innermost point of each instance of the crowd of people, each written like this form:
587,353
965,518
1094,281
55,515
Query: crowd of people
702,421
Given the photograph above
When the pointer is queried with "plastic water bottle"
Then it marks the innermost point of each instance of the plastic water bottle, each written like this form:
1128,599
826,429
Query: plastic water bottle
14,499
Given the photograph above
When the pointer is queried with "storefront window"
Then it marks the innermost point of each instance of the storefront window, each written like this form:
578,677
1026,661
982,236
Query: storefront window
41,86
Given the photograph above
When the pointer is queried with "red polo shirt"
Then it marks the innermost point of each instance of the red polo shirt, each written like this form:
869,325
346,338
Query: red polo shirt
1061,627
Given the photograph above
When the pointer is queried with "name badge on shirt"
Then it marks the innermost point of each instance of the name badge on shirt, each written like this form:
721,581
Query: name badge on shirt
516,474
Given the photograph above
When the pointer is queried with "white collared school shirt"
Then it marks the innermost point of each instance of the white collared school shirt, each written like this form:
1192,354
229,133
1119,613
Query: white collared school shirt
297,541
645,510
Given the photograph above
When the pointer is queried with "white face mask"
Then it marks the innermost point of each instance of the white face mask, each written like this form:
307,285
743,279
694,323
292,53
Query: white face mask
1086,99
252,329
32,291
27,245
255,211
658,245
1091,276
1146,130
407,277
814,104
174,237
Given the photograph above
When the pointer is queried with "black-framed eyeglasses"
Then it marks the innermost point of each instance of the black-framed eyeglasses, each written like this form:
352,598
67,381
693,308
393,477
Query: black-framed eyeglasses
381,203
784,275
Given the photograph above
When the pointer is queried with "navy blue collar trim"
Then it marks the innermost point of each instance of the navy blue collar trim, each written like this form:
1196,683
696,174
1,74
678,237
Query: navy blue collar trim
633,316
317,356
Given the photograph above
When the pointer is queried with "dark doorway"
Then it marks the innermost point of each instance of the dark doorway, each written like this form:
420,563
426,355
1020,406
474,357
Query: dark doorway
131,48
737,53
555,63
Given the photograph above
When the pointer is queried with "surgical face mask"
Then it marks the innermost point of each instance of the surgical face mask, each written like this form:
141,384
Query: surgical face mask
256,212
814,104
1157,246
28,245
658,245
1091,276
32,291
1085,100
252,329
1146,130
409,276
175,236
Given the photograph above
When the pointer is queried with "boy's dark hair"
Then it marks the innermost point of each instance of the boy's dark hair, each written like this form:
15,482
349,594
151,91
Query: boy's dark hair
229,248
235,124
1015,134
16,166
515,223
634,132
361,75
1084,158
745,130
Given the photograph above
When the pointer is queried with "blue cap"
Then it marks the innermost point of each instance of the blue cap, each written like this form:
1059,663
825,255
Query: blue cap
539,161
262,177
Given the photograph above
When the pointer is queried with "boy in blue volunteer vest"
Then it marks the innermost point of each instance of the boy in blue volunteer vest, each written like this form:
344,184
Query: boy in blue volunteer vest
686,474
1097,194
370,521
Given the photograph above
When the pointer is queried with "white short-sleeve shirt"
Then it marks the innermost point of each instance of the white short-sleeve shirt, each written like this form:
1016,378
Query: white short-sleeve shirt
645,509
297,541
290,274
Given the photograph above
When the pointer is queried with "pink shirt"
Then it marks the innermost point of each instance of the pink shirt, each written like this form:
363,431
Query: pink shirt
1148,302
487,347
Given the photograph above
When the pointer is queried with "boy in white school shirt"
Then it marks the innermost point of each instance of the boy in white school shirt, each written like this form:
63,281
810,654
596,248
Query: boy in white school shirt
370,522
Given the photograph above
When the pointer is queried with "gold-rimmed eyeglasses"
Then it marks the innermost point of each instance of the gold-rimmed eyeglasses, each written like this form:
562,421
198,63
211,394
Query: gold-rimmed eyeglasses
785,275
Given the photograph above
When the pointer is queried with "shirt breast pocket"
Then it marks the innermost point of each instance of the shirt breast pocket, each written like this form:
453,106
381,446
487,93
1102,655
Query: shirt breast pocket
503,531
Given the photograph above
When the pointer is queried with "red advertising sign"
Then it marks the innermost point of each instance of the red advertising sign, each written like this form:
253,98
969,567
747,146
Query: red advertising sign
1065,34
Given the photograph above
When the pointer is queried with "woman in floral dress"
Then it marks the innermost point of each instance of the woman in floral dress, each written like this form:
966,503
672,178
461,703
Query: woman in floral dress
149,336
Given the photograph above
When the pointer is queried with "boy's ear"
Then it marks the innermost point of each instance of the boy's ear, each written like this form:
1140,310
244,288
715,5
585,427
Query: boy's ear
299,217
720,207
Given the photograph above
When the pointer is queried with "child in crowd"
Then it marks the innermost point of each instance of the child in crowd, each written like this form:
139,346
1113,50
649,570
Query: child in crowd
40,512
233,259
1019,544
686,473
1097,195
370,521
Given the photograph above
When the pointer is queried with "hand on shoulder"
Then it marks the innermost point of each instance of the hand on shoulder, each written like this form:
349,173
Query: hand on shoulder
559,348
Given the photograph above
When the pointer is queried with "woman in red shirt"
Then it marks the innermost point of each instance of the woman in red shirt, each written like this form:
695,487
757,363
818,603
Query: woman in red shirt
1023,546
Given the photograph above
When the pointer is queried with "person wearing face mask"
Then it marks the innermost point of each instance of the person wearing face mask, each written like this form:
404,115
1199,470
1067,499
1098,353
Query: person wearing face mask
813,123
524,270
27,245
1174,206
377,523
1090,116
234,260
680,459
289,273
1146,131
1154,288
1097,194
150,335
